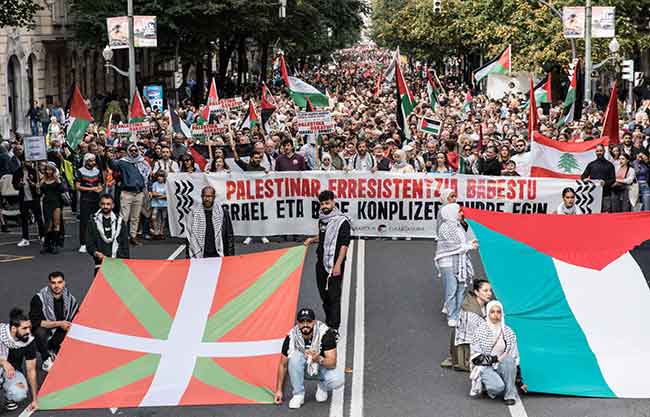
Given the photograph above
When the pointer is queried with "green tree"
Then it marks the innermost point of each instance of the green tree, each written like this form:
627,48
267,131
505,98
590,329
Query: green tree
568,163
18,13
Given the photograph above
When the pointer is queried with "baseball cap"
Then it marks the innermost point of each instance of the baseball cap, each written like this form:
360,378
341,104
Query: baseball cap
306,314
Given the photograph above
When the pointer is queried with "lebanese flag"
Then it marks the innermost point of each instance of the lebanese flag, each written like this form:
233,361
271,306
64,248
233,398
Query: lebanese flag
610,121
499,65
80,119
153,333
560,305
550,158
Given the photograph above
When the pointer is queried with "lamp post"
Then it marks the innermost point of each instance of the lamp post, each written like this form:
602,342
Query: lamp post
588,62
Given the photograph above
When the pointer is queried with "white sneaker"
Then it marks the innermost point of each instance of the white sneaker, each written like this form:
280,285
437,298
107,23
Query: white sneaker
407,238
47,365
23,243
321,394
297,401
248,240
444,310
82,249
452,323
265,240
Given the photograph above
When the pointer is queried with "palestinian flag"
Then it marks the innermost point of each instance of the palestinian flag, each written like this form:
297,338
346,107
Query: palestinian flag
300,90
175,333
405,102
136,111
250,118
550,158
543,93
430,126
499,65
573,102
389,73
578,306
79,121
177,124
532,112
202,154
268,106
309,108
610,120
432,91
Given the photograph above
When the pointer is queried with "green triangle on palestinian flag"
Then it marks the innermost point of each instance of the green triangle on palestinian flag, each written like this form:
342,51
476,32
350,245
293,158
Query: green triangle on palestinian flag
405,102
499,65
180,332
250,118
430,126
80,119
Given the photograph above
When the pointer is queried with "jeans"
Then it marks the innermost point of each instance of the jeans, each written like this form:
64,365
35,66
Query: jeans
35,207
34,125
330,379
644,196
130,207
15,388
159,220
501,381
454,292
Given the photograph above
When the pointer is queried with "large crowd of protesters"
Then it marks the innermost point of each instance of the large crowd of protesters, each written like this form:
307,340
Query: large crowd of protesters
109,175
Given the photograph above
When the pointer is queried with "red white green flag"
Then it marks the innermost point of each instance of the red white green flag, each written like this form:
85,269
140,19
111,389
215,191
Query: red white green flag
136,112
543,93
499,65
268,106
80,119
250,118
175,333
405,102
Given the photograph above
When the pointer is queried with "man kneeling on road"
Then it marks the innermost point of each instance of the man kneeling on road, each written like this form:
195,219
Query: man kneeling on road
51,312
309,348
15,347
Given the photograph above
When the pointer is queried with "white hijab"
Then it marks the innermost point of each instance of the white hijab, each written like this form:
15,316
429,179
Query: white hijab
495,327
449,212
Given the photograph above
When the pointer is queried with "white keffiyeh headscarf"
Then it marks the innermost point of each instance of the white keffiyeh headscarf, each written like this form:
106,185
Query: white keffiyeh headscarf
116,228
8,342
196,231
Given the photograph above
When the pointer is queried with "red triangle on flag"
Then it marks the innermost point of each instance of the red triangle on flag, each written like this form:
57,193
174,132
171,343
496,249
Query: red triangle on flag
78,108
213,97
136,112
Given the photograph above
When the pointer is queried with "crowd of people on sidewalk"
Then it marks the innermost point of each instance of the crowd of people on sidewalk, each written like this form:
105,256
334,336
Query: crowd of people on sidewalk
116,187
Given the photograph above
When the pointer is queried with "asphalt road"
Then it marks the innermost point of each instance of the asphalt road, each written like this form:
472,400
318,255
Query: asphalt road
404,335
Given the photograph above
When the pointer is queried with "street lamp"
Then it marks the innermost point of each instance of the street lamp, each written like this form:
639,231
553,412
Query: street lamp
107,53
614,46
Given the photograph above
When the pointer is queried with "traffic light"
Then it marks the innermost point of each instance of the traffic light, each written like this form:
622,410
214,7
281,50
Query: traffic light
628,70
437,6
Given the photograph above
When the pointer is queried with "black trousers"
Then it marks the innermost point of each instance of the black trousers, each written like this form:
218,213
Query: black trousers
47,341
86,209
330,295
35,207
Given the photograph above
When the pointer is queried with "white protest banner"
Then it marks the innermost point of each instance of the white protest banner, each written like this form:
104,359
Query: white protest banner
379,204
232,103
34,148
207,129
314,122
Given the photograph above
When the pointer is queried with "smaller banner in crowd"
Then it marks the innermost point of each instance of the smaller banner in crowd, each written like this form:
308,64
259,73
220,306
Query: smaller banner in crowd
314,122
126,128
232,103
379,204
575,291
154,94
34,148
207,129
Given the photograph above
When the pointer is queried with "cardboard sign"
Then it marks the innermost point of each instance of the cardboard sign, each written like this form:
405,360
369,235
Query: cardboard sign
34,148
314,122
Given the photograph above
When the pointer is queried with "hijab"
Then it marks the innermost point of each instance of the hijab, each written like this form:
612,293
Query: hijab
498,327
449,212
444,195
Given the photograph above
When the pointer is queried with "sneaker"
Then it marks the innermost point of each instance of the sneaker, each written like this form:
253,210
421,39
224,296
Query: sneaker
447,363
248,240
509,402
407,238
296,401
321,394
452,323
444,310
47,365
11,405
133,241
265,240
82,249
23,243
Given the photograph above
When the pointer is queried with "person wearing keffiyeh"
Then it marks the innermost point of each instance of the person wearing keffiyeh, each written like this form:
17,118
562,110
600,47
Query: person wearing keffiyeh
51,311
209,230
107,234
333,241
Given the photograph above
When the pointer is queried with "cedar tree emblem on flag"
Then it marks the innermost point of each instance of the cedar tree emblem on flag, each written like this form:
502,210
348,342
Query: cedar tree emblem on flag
186,332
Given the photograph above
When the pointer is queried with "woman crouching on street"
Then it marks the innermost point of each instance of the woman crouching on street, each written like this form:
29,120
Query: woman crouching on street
495,356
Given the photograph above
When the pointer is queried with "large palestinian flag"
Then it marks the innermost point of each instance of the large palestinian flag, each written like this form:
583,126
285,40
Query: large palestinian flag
186,332
79,121
575,94
405,102
268,107
300,90
499,65
579,305
550,158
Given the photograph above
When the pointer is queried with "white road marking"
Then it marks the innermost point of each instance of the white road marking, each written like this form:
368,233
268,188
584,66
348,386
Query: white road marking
518,409
26,412
338,395
358,364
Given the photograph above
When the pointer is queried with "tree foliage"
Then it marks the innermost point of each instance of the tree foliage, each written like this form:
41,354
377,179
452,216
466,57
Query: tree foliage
17,13
487,26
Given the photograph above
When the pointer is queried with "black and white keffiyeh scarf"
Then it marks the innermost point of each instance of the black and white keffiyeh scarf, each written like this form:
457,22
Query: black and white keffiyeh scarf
116,228
7,342
70,304
297,343
333,221
196,231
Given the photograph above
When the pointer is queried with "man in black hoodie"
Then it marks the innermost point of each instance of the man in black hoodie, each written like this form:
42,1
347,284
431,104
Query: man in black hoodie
602,169
489,164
